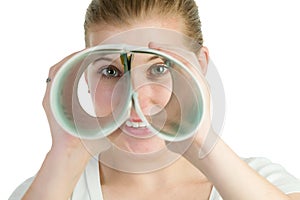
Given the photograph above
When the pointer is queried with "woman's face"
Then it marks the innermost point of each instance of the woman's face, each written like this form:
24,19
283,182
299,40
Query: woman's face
150,79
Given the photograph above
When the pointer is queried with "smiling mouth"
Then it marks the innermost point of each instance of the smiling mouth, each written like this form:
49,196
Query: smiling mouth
137,129
137,124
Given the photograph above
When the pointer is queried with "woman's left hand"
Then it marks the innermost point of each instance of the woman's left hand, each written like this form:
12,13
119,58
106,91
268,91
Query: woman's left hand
205,138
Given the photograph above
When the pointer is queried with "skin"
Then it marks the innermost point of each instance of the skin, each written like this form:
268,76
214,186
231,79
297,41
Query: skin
67,158
101,88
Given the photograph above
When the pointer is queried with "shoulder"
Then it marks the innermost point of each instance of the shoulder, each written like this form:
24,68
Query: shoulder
21,189
275,173
86,187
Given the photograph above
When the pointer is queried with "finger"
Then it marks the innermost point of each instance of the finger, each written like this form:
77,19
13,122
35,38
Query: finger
201,80
184,57
170,50
53,70
51,74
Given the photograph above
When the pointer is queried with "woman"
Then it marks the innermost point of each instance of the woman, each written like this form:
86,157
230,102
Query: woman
69,172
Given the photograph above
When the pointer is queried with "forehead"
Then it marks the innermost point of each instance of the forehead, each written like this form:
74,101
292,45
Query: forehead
167,32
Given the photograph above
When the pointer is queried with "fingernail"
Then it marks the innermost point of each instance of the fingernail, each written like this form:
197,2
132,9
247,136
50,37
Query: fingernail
152,45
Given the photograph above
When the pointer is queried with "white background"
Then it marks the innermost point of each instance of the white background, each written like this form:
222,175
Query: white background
254,44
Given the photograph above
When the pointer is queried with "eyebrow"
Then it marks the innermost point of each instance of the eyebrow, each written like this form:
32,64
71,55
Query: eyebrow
103,58
153,58
110,59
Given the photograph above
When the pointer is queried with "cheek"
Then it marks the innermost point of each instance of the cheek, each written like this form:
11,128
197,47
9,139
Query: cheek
154,98
162,95
102,99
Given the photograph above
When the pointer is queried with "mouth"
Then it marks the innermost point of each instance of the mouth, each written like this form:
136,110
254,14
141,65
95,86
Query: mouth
137,129
136,124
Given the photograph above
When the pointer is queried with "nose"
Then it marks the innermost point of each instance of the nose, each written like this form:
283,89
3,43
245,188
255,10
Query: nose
152,91
143,103
134,117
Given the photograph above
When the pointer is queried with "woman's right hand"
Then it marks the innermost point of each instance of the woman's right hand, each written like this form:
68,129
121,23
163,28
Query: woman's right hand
67,158
61,140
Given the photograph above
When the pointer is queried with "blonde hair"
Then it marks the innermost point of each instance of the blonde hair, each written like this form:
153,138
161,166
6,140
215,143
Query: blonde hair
120,12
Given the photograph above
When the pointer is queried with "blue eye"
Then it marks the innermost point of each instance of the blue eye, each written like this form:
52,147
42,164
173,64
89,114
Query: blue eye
110,71
158,69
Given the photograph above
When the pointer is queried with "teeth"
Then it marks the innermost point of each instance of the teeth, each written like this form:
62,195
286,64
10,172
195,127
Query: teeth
142,124
136,124
128,123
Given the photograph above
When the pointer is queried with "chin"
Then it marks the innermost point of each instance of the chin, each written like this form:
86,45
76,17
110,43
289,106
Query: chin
137,145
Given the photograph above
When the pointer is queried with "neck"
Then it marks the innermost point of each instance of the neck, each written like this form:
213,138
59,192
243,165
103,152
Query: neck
151,180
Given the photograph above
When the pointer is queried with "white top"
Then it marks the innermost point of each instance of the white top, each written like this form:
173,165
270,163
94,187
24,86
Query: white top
89,188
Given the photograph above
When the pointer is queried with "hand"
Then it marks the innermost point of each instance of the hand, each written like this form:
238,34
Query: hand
62,140
204,139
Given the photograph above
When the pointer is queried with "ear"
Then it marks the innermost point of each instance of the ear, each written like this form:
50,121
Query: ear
203,58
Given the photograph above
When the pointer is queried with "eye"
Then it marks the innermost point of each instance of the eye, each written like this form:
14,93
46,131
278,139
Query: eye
109,71
158,69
